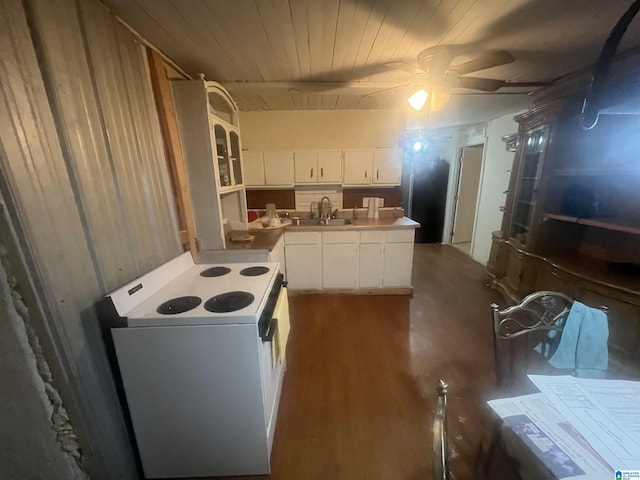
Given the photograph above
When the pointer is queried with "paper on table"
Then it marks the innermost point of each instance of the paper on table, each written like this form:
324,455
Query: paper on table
605,412
549,436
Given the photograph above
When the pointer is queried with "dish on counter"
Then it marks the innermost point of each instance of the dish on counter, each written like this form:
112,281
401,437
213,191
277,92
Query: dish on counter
265,225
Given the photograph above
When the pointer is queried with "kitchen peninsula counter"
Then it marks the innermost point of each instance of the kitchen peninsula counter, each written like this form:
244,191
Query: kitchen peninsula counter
365,257
382,223
267,238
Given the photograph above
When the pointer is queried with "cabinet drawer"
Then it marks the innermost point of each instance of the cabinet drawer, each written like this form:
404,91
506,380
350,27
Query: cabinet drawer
340,237
399,236
376,236
302,238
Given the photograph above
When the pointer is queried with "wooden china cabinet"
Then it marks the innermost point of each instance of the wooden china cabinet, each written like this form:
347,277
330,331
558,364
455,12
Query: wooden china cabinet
572,213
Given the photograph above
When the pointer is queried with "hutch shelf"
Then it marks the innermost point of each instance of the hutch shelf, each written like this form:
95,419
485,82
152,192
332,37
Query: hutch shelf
572,214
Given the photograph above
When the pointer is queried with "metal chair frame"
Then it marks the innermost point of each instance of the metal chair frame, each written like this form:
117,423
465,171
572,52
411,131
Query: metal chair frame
544,311
440,443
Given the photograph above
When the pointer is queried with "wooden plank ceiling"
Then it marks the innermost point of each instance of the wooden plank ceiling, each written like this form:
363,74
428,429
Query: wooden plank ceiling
313,54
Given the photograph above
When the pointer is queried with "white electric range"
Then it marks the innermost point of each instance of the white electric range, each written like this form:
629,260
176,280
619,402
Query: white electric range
198,366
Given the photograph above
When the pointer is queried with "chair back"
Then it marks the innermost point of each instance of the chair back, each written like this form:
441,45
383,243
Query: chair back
527,335
440,444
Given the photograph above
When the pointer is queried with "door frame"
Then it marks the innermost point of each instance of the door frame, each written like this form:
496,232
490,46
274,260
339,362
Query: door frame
456,197
454,182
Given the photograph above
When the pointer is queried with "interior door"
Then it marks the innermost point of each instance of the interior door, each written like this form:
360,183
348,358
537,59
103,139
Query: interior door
467,197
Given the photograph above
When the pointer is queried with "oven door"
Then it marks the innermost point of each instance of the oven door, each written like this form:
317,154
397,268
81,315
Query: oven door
273,348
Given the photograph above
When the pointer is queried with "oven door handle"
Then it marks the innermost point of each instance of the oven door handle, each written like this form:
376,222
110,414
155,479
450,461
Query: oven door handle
273,326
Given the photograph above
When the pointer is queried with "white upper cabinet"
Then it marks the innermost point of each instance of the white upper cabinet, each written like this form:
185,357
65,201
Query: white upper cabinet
324,166
387,167
278,168
330,166
380,166
357,167
253,168
305,166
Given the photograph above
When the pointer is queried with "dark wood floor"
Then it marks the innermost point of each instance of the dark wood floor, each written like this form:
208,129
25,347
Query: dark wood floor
359,391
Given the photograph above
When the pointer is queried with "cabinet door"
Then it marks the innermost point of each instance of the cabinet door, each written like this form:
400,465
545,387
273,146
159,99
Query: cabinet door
222,155
304,266
371,263
387,167
305,165
529,176
253,168
277,255
357,167
236,162
340,266
398,261
278,168
329,166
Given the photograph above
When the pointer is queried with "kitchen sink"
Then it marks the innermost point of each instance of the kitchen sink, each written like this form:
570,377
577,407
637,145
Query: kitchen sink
312,222
339,221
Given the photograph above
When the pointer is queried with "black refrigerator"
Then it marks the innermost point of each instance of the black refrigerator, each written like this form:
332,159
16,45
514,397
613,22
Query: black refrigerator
425,194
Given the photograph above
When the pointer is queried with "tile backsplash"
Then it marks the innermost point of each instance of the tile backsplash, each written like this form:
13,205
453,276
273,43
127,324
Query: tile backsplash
306,195
300,198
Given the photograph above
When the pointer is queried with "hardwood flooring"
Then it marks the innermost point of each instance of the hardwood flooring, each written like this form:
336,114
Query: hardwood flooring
359,391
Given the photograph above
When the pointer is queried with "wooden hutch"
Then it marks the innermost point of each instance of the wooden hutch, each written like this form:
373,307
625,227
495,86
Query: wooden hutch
572,211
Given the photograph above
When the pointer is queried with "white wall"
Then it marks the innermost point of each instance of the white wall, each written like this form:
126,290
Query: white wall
319,129
494,181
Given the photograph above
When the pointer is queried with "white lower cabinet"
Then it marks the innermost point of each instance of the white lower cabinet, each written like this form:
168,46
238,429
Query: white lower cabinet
304,266
370,269
340,259
348,259
371,258
340,266
398,258
303,260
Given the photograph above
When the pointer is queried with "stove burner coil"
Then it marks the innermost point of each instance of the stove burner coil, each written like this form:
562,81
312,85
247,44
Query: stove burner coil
179,305
253,271
215,272
229,302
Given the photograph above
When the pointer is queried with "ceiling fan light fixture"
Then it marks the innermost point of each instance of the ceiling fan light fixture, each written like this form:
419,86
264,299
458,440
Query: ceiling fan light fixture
438,98
418,99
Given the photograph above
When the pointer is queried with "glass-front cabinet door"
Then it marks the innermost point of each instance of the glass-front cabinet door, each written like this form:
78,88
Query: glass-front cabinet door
534,145
222,152
229,164
236,164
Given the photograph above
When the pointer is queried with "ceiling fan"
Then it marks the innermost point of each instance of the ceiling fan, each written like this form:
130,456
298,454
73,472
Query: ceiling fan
434,71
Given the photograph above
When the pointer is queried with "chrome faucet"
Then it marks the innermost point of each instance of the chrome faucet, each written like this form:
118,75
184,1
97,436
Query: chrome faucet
325,211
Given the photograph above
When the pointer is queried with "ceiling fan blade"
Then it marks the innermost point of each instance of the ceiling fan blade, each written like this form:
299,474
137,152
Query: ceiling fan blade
407,67
489,60
388,90
475,83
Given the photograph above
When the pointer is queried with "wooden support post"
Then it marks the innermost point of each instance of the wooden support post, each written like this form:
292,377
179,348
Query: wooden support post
175,160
